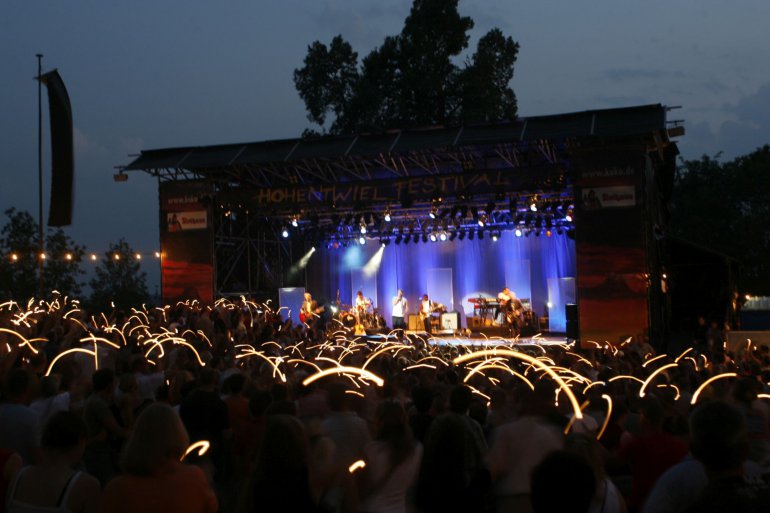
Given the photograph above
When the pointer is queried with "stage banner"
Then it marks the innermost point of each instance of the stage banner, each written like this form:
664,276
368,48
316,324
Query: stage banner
400,190
187,242
612,280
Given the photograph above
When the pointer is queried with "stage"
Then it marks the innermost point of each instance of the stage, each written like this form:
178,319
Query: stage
474,339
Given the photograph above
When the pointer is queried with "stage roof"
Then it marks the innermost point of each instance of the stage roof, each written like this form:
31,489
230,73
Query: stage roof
531,141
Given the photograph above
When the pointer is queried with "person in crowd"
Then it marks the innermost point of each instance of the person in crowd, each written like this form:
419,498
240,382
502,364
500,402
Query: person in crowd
392,462
155,479
205,416
720,442
519,446
562,481
105,434
55,484
453,476
10,464
607,498
51,400
420,418
349,433
281,480
650,453
20,424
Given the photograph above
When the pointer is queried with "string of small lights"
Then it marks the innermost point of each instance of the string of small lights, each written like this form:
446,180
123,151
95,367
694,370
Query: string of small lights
68,256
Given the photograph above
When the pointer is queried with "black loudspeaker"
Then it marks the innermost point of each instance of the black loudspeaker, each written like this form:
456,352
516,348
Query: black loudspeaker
571,311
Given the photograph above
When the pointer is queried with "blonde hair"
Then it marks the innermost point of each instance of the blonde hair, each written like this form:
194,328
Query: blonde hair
158,437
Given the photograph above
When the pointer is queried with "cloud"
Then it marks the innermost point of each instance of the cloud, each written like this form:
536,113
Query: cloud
355,25
86,145
626,74
745,128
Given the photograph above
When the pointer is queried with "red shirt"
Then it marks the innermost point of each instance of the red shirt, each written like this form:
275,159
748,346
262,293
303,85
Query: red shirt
649,456
182,489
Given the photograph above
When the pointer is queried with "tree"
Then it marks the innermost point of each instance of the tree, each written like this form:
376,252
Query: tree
63,265
20,250
119,281
724,206
411,80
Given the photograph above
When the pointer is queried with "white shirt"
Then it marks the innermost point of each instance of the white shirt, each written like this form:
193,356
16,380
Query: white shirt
399,306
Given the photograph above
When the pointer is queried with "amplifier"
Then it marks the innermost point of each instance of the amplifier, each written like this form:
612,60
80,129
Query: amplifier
415,323
450,321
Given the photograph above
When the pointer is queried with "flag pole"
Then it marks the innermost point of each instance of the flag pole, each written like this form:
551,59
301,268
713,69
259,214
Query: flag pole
40,241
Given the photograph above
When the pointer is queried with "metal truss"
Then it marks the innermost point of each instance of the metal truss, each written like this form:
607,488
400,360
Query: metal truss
249,258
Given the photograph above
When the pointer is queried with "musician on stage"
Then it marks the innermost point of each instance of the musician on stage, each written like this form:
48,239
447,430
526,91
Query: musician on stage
309,312
426,309
361,306
400,307
511,309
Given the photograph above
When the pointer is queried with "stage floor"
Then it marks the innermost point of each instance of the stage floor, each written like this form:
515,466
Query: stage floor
481,340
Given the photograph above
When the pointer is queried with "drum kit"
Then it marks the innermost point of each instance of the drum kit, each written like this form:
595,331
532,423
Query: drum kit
365,315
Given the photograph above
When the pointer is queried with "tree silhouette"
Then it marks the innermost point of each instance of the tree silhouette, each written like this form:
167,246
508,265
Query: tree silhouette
19,269
411,79
119,281
725,207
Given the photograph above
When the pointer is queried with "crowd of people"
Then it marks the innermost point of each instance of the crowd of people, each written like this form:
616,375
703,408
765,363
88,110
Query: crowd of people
233,408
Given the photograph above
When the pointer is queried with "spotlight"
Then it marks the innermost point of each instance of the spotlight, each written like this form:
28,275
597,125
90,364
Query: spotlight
548,233
442,236
387,215
362,240
363,227
518,232
533,204
433,237
433,211
568,217
482,220
295,221
285,233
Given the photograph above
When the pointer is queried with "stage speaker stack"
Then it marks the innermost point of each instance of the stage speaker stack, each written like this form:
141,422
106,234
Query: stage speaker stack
415,323
573,330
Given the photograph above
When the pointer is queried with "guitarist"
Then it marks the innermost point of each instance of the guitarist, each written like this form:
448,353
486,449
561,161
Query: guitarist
426,309
511,309
310,311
